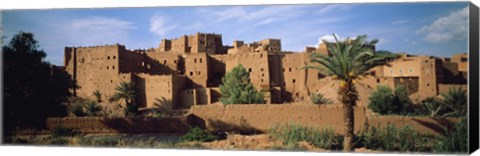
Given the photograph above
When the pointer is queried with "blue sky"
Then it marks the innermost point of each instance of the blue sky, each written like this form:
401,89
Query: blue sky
439,29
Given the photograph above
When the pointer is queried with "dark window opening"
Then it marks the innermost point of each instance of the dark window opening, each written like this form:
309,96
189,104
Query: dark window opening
194,60
191,73
108,57
249,69
200,60
290,69
293,81
107,67
378,80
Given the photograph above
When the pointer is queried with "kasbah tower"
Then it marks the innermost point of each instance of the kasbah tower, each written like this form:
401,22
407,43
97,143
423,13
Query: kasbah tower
187,71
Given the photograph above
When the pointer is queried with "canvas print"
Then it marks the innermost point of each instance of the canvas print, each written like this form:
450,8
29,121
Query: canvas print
359,77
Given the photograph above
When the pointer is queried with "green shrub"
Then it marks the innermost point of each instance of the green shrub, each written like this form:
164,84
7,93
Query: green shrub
132,110
198,134
385,101
318,98
292,133
92,109
454,140
390,138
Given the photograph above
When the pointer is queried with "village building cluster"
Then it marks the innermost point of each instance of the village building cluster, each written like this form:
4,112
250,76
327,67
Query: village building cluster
187,71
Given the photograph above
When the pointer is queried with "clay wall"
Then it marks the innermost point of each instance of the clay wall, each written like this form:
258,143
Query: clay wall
95,68
196,69
132,61
180,45
462,61
158,91
217,69
256,64
163,63
260,117
443,88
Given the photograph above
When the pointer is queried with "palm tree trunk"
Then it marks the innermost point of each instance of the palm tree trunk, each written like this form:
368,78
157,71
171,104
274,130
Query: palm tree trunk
348,96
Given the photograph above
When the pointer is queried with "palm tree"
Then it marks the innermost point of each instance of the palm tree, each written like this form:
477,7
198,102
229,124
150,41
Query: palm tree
348,61
455,100
125,91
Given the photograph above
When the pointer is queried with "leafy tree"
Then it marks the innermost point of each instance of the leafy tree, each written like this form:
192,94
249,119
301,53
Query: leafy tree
33,88
126,91
381,101
236,89
384,101
433,106
401,99
348,61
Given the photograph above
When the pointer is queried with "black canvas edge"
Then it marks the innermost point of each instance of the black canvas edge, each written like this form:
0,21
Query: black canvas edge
473,86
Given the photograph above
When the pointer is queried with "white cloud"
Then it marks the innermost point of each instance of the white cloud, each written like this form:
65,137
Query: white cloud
451,27
231,13
159,25
329,8
96,30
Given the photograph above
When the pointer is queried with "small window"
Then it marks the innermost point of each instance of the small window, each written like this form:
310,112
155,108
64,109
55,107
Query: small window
378,80
200,60
164,61
191,73
410,70
428,84
108,57
107,67
283,69
113,67
194,60
114,57
175,61
249,69
293,81
111,81
261,55
261,69
290,69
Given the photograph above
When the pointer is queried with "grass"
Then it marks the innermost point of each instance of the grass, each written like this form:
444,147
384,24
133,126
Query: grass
292,133
391,138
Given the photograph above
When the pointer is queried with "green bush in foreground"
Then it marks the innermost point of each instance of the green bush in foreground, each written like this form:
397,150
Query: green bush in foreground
292,133
454,140
198,134
391,138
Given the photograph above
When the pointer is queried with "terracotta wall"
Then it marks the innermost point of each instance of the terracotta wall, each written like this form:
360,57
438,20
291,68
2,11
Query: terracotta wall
260,117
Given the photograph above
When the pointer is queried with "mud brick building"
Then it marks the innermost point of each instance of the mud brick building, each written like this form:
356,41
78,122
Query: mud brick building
187,71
